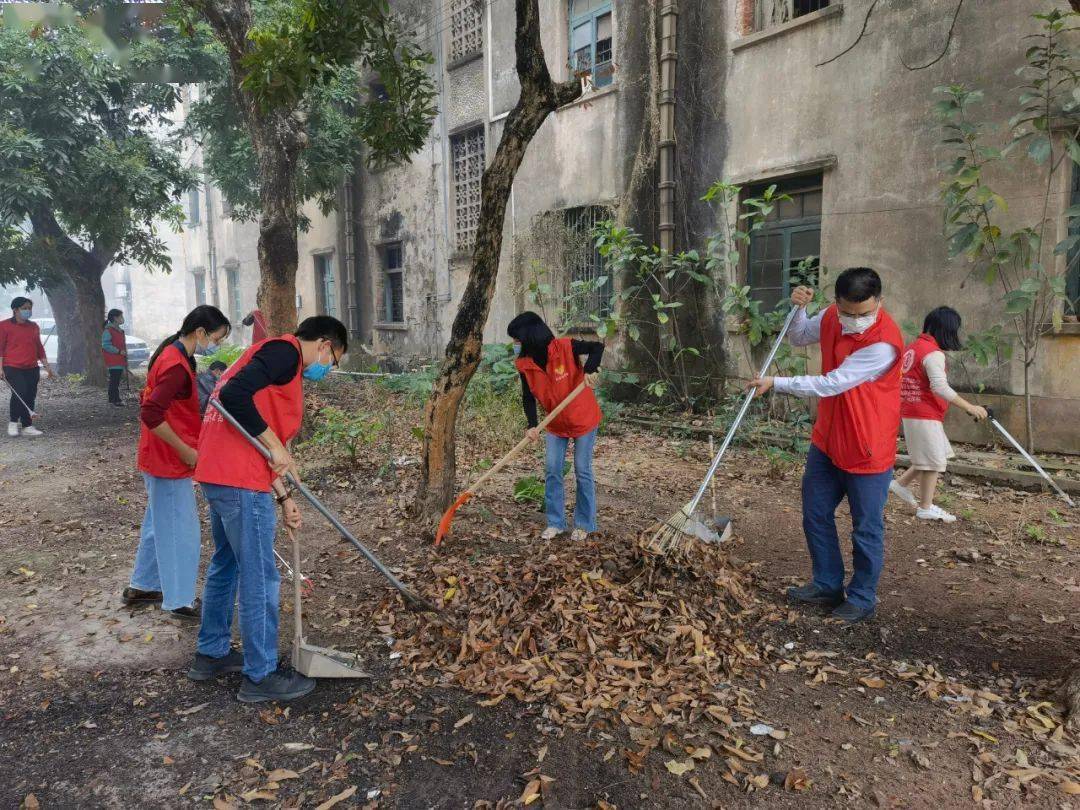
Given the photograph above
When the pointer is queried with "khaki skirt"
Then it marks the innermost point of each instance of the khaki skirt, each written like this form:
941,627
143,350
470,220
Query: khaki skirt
927,444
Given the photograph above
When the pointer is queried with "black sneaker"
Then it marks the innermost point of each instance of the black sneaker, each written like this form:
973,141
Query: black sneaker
205,667
191,613
134,596
851,614
282,684
813,595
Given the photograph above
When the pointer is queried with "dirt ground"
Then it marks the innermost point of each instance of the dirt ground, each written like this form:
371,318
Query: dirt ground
946,699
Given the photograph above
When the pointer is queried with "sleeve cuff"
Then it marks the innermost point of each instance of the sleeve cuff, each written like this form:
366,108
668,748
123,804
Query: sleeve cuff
781,384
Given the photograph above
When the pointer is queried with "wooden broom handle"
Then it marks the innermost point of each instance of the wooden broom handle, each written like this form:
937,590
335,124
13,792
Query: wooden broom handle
502,462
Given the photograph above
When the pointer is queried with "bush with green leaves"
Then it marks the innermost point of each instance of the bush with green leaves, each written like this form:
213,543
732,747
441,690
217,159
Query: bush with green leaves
228,354
344,433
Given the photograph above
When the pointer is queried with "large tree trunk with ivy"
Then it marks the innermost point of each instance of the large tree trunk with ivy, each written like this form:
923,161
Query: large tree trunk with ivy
61,294
539,98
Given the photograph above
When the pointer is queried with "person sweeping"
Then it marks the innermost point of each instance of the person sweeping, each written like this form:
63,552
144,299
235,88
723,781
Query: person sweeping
550,369
21,354
114,352
263,391
167,560
853,446
925,397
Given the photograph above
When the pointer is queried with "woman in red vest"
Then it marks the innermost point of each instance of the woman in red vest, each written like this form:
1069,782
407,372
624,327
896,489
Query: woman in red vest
21,351
925,396
167,561
114,352
550,369
853,447
263,391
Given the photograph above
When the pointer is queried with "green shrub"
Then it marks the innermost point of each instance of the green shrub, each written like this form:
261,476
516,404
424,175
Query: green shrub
344,433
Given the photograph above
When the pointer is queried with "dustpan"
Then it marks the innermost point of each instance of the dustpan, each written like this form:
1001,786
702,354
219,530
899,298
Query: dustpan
309,659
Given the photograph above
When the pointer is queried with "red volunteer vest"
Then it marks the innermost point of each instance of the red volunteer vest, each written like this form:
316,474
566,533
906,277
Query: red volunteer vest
857,430
155,456
225,457
552,385
917,401
120,342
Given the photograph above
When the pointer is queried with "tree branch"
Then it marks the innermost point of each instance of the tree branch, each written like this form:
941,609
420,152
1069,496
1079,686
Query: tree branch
948,41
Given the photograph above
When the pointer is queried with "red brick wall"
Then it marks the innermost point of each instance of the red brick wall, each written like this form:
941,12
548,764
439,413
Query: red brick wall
746,17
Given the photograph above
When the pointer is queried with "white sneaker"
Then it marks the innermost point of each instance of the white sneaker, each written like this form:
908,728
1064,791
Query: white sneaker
12,428
577,535
935,512
550,533
903,493
31,431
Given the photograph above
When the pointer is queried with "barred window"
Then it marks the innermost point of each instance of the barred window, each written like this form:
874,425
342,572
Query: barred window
587,271
467,153
768,13
466,17
393,284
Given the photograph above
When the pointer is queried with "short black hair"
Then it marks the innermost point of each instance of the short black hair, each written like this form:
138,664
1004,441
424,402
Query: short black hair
857,284
19,302
943,325
217,365
324,327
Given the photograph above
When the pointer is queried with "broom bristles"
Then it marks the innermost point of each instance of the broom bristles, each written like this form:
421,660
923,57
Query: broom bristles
448,516
670,533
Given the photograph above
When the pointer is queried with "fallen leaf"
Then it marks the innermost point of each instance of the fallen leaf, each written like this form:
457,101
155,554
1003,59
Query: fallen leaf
701,753
30,802
167,760
466,719
258,795
531,792
192,710
337,799
281,774
1070,788
444,762
183,791
224,803
796,779
679,768
297,746
872,683
761,780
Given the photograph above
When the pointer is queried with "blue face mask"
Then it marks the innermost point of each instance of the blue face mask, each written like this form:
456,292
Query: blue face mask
316,371
24,314
517,350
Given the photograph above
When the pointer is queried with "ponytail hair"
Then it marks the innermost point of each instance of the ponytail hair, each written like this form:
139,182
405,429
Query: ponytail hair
112,313
203,316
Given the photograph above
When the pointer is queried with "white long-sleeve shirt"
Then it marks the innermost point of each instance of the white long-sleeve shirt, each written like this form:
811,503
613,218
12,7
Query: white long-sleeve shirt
934,366
858,367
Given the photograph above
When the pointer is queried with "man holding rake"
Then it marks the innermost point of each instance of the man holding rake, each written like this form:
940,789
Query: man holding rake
853,447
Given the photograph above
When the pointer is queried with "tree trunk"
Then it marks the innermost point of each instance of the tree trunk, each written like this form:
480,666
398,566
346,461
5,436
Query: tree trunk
278,150
1029,424
539,97
1072,700
89,315
61,295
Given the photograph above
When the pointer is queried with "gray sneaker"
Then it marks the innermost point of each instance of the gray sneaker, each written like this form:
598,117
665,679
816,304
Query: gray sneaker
205,667
282,684
851,614
813,595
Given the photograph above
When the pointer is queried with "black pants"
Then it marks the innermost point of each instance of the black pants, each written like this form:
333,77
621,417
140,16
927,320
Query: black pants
24,381
116,373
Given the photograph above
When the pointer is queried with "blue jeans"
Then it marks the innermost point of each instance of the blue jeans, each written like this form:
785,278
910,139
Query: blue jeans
243,523
168,556
555,496
824,485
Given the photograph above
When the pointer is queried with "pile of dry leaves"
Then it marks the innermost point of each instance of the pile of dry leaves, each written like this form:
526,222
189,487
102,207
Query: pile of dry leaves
589,630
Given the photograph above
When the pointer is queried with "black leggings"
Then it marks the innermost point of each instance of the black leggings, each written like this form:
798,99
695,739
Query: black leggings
24,381
115,375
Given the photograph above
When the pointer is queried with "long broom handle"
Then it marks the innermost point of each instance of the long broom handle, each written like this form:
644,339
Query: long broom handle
1027,456
502,462
742,412
326,513
29,410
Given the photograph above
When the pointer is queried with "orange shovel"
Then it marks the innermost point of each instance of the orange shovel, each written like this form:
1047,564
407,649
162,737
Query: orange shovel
462,499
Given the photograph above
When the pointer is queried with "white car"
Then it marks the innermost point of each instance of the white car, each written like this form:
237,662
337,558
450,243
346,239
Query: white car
138,350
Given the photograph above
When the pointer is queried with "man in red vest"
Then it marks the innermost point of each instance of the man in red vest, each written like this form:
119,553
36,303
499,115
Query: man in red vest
263,391
853,447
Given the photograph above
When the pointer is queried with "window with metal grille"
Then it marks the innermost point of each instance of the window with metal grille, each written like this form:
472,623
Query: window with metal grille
200,287
467,155
790,234
326,296
194,211
768,13
591,48
466,19
393,284
232,281
587,271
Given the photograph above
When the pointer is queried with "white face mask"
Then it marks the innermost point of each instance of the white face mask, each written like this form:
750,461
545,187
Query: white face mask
857,324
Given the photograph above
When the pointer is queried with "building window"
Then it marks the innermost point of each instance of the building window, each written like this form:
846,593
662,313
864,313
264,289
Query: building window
1072,272
467,152
194,212
325,294
768,13
790,234
591,49
393,284
586,269
232,280
466,19
200,287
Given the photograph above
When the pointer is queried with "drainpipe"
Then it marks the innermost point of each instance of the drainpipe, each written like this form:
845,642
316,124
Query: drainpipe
211,247
669,16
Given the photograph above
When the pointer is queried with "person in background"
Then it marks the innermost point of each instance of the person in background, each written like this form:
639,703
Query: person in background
263,390
925,396
257,322
21,351
167,560
550,369
206,382
114,352
853,446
